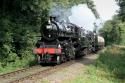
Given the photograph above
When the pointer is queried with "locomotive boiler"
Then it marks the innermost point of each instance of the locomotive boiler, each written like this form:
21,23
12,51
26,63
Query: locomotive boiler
53,30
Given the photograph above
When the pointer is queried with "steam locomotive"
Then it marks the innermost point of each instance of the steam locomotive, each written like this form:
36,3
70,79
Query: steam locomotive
62,41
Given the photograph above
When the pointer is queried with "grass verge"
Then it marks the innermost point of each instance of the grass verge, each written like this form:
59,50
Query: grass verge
18,64
108,68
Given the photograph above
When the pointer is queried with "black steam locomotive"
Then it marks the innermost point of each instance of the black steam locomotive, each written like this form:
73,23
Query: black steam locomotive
62,41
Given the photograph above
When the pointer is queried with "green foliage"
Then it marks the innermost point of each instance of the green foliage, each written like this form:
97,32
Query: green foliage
121,4
112,61
113,31
18,64
122,25
92,7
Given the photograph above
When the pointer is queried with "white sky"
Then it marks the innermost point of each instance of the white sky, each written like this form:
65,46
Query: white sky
106,8
83,16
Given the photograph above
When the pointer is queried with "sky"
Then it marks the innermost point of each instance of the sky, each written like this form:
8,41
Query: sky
106,8
83,16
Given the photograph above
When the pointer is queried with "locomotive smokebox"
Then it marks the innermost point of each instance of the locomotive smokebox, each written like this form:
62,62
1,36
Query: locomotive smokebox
50,29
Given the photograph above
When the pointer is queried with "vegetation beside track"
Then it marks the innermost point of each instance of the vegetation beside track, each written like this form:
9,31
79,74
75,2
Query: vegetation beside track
108,68
18,64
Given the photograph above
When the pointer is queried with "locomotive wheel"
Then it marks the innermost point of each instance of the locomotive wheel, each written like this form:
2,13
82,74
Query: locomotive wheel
85,52
63,58
58,60
71,54
93,50
38,60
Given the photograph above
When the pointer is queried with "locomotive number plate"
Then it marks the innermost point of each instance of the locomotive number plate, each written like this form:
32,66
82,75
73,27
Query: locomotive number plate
49,27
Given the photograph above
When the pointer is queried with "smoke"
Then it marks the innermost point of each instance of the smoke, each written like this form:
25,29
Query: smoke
80,15
60,12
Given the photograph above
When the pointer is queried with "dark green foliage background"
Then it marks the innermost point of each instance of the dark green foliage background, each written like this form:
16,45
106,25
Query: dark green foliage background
121,12
113,31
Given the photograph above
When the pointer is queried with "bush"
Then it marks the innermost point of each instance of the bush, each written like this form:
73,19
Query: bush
18,64
113,61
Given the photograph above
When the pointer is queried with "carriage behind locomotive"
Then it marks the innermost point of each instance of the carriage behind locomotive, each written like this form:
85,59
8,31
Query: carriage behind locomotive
62,41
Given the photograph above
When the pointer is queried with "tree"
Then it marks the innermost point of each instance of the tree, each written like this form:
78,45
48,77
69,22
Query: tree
112,31
92,7
121,4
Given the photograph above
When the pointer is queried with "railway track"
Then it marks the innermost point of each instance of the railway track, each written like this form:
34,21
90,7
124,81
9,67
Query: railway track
29,73
15,72
16,75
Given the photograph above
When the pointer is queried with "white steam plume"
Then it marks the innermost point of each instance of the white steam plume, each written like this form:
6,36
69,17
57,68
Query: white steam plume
60,12
80,15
